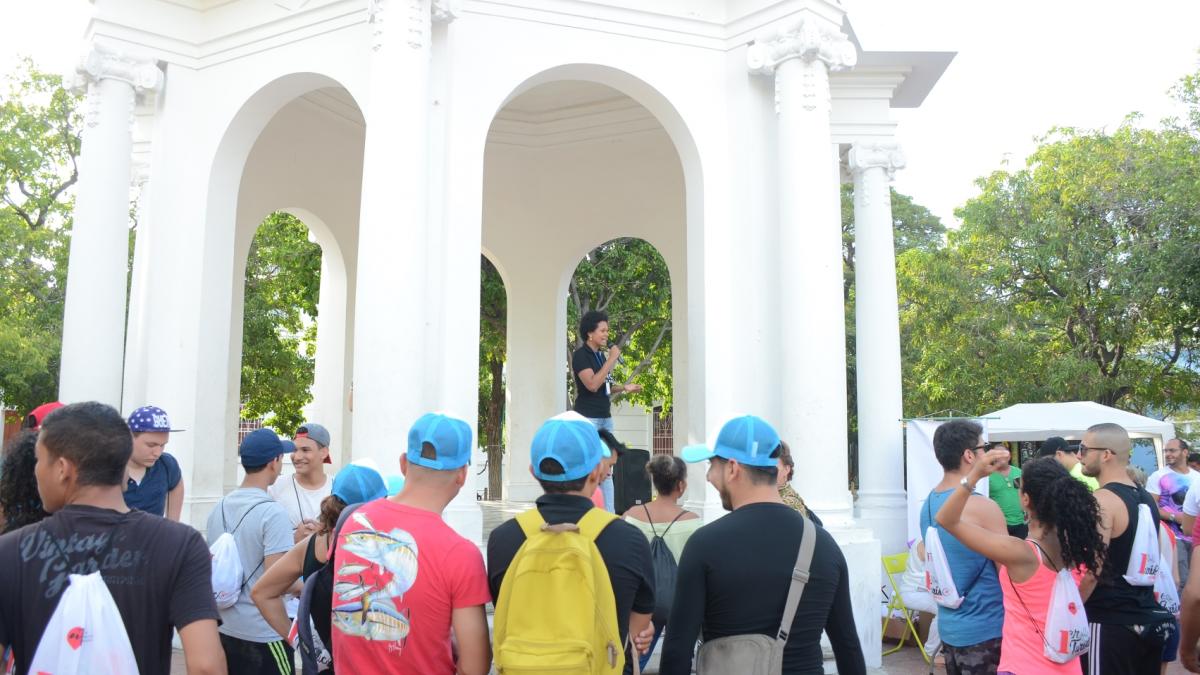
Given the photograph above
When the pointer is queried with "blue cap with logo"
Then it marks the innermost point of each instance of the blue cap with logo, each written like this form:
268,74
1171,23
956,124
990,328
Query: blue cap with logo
748,440
450,438
259,448
149,418
572,441
356,484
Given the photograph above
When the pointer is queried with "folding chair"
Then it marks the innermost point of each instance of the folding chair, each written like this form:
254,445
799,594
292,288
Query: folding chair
895,564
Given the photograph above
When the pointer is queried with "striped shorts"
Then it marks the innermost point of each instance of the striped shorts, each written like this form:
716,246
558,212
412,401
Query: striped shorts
258,658
1127,650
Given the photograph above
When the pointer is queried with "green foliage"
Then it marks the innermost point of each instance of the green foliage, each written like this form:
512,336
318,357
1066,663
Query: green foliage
283,281
493,345
628,279
1067,281
39,145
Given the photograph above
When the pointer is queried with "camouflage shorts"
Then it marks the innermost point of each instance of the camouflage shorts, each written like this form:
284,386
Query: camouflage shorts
978,659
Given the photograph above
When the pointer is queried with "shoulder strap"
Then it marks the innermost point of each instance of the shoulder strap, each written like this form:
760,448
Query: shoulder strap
594,521
531,522
239,522
651,520
337,531
808,542
677,517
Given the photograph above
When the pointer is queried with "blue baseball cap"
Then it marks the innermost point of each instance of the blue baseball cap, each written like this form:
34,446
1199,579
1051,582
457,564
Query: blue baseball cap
149,418
259,448
748,440
449,436
572,441
356,484
288,446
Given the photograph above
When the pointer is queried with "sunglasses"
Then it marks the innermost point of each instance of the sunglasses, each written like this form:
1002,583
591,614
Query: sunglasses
1083,449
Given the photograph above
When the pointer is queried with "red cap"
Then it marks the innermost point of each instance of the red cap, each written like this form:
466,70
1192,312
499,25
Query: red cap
39,413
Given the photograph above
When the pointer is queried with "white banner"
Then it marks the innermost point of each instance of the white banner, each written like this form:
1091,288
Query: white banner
923,470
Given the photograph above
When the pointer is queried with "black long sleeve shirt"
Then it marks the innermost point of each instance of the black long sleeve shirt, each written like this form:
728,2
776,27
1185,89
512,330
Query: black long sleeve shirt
734,577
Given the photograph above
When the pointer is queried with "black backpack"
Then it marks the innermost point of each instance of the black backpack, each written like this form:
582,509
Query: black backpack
316,603
666,569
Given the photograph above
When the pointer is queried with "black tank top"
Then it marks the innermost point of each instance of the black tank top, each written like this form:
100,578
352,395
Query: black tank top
311,564
1115,601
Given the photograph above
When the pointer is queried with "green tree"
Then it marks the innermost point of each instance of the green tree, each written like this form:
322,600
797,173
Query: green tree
1067,280
283,281
39,147
493,350
629,280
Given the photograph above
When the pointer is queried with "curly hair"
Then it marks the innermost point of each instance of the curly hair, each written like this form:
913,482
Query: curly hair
1060,501
331,510
18,486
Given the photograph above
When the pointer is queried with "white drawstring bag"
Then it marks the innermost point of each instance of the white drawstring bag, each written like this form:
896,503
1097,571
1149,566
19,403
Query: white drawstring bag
226,571
1143,557
1067,635
1165,591
86,635
938,580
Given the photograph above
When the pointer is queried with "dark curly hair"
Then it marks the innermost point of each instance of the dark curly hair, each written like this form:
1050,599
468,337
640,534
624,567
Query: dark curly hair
666,472
18,486
1060,501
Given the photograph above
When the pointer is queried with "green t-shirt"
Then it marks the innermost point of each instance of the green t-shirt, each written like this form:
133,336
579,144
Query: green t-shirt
1003,490
1077,471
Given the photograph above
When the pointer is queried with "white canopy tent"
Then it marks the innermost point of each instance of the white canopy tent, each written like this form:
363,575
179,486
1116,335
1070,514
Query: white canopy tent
1039,421
1069,419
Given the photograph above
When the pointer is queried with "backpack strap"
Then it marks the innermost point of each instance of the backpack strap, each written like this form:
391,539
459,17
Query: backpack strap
808,543
594,521
651,520
239,522
681,512
531,522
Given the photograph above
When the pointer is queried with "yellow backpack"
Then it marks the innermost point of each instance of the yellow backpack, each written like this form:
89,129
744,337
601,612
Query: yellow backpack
556,612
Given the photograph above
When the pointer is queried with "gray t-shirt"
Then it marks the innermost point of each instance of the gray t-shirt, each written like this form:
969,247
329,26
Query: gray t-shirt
264,530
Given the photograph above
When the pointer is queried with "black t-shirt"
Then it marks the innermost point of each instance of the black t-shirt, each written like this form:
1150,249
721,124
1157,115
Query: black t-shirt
158,571
734,576
594,404
624,548
1114,600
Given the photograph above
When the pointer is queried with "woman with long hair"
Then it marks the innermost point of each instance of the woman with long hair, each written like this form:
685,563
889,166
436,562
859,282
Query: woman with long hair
18,487
1063,534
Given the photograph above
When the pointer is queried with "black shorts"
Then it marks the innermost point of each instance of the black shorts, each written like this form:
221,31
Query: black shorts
258,658
1127,650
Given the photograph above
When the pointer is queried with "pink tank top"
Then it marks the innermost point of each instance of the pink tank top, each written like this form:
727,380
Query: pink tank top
1021,652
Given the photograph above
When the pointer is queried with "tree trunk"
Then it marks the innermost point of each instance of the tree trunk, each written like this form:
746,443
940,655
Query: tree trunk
494,430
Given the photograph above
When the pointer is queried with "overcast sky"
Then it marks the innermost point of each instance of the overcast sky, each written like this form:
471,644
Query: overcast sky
1023,66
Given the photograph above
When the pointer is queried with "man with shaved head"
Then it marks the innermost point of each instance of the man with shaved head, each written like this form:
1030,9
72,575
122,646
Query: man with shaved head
1129,628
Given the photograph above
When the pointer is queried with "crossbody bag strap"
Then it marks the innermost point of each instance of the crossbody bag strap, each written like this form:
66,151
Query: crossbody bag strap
800,574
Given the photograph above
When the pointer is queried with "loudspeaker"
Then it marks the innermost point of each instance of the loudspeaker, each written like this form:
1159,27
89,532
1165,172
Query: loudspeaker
630,482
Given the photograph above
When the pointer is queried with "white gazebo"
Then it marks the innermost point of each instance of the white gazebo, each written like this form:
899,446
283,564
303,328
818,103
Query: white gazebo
1070,419
413,135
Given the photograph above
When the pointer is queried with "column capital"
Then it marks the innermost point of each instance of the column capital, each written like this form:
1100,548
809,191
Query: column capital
106,63
411,17
875,154
807,38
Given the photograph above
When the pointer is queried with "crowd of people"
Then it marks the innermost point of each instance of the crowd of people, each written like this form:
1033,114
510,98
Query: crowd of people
1069,565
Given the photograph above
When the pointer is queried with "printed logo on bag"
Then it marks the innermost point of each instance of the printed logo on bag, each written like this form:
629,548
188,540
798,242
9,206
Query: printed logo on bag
1072,608
75,637
1073,642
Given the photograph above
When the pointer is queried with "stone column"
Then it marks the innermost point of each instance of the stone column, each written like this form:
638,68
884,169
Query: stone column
390,391
881,499
94,316
800,54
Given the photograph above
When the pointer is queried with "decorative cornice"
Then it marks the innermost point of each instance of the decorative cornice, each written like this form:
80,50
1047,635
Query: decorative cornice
417,17
876,155
445,11
808,39
104,63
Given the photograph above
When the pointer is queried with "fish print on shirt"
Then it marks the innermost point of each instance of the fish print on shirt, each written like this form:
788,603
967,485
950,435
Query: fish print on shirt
369,590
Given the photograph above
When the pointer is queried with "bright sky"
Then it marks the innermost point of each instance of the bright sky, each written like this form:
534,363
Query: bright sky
1023,66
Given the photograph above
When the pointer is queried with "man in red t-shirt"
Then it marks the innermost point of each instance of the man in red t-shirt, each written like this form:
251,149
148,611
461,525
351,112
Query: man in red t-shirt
404,579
